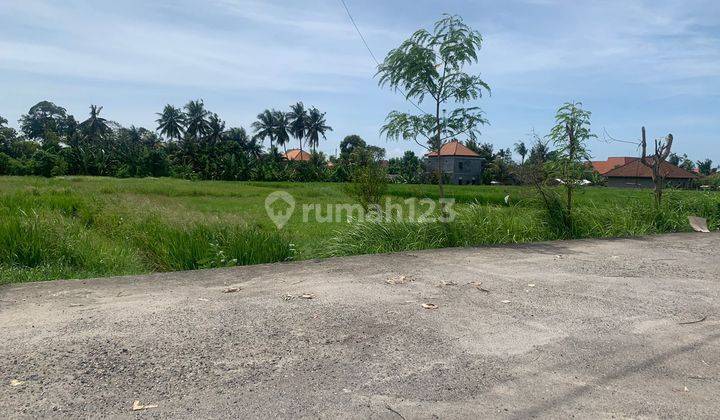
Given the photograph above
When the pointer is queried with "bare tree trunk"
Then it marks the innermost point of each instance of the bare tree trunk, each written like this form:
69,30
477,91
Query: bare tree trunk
439,159
662,151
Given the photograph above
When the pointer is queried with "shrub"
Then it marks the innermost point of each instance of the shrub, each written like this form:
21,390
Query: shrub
369,184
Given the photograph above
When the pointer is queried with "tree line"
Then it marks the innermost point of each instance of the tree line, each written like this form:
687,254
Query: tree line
194,143
189,142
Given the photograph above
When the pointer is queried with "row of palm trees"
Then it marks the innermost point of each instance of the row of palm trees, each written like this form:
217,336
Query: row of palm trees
194,121
300,123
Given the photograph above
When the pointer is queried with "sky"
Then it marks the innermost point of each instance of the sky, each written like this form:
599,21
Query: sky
631,63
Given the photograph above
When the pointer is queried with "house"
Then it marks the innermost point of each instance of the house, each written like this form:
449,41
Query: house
459,164
297,154
630,172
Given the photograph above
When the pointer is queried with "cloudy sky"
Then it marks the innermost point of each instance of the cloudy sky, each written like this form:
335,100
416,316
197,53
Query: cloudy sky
631,62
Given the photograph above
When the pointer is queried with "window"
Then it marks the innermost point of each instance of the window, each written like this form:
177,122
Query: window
460,166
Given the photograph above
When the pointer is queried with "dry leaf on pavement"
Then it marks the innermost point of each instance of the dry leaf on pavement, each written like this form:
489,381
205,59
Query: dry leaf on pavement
137,406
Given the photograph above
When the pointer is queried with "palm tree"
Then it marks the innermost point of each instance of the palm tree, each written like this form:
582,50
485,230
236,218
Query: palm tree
264,127
171,122
521,150
297,117
281,128
95,125
215,130
253,148
316,127
196,123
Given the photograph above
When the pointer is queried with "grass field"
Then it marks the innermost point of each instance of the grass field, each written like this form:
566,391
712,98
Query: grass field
78,227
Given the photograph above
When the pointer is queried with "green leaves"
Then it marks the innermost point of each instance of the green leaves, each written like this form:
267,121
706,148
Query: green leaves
572,131
430,64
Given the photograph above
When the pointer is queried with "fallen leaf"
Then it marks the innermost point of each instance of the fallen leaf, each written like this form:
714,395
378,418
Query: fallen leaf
429,306
399,280
446,283
231,290
15,382
137,406
478,285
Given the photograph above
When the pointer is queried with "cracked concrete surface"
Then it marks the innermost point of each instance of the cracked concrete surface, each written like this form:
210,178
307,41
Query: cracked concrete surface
589,328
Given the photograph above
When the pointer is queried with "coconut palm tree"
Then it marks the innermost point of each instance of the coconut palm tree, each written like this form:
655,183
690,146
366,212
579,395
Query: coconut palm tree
215,130
196,119
96,126
297,117
265,127
171,122
521,150
316,127
281,128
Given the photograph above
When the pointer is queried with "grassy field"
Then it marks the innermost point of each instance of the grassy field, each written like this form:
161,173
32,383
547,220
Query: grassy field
77,227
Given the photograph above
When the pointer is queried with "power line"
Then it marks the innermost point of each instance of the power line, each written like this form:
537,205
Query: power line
359,33
373,55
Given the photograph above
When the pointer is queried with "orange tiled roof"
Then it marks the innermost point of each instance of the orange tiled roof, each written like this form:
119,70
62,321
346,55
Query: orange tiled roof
296,154
603,167
454,148
635,169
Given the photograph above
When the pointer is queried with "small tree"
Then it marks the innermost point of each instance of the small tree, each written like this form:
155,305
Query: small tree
570,135
431,64
655,162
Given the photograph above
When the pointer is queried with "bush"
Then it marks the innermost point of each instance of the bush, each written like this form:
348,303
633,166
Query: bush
369,184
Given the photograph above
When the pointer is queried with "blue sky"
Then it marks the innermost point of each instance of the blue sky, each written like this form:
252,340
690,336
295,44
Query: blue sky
632,63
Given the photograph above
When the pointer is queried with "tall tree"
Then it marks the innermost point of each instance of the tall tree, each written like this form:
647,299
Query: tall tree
298,119
196,119
264,127
171,122
281,123
570,135
316,127
96,127
46,118
348,145
431,64
521,150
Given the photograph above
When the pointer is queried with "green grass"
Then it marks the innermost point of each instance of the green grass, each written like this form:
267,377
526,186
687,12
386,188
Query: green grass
78,227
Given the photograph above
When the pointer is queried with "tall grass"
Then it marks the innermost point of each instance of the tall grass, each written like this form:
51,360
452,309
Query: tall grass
58,233
483,224
92,227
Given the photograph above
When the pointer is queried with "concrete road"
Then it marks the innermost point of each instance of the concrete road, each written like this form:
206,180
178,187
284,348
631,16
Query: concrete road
593,328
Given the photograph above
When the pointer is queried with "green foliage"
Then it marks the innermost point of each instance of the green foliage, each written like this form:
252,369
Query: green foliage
369,184
431,64
570,136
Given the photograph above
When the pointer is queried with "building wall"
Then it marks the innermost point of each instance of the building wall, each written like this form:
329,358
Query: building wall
458,169
632,182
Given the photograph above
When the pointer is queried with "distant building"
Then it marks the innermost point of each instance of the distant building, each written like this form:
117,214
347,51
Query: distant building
631,173
458,163
297,154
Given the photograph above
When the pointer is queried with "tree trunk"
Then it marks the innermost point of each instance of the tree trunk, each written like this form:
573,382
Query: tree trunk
439,160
